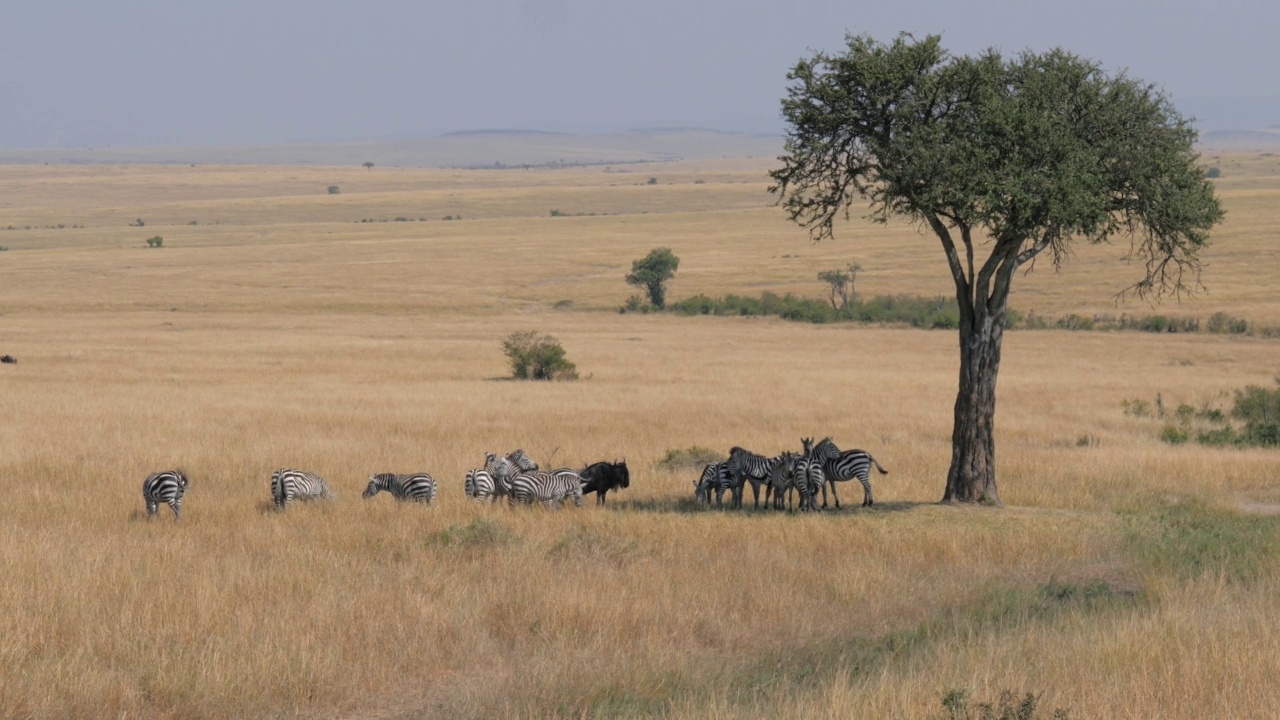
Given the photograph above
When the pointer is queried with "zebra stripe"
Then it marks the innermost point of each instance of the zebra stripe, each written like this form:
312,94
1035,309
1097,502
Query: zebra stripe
480,485
783,478
747,466
288,485
842,466
166,487
419,487
505,467
549,488
522,461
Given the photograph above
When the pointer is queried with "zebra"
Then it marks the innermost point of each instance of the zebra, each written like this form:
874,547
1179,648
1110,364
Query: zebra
747,466
504,467
288,485
783,477
715,476
810,473
549,488
165,487
419,487
841,466
480,485
522,461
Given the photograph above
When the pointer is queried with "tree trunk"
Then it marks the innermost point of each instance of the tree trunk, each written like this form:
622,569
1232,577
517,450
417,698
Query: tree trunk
972,477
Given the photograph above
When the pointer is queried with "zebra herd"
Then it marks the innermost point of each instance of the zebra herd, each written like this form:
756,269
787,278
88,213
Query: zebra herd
807,473
514,476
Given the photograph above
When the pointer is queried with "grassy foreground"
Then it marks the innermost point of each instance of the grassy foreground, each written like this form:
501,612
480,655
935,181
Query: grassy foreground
1122,579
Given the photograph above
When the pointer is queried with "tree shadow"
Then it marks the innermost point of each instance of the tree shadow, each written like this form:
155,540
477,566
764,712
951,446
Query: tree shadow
690,506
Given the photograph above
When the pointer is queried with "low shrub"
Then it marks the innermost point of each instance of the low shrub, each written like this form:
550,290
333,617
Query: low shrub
535,356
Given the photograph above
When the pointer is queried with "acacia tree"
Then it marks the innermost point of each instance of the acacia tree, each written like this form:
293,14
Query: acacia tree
1017,158
652,272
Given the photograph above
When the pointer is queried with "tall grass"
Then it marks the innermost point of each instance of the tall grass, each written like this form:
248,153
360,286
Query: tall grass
1121,574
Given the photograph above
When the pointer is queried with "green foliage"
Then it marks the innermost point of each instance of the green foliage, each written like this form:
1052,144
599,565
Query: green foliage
1259,409
535,356
1008,707
1190,539
334,190
841,284
556,213
155,242
1222,323
481,533
652,272
651,181
1174,434
1213,173
367,165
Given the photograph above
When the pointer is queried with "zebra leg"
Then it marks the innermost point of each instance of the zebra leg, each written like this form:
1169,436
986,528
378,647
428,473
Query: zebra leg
867,498
152,508
176,504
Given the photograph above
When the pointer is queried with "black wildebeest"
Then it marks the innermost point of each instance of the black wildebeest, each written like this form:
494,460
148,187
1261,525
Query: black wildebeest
602,477
8,360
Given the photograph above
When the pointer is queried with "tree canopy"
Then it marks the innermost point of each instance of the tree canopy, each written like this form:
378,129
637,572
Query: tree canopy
652,272
1016,157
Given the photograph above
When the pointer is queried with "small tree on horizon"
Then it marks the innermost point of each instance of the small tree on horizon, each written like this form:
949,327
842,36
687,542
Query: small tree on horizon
652,272
841,284
1019,158
367,165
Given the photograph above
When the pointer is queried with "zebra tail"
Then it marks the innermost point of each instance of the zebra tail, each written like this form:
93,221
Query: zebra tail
877,464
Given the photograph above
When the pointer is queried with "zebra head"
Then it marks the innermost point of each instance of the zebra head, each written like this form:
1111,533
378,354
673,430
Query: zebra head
825,450
499,465
376,483
522,461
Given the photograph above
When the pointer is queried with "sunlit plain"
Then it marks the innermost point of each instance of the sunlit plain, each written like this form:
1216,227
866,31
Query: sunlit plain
359,332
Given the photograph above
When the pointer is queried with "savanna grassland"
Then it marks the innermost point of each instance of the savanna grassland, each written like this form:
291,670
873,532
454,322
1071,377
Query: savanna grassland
281,325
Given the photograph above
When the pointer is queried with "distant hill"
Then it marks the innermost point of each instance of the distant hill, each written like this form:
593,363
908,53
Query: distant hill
501,148
473,149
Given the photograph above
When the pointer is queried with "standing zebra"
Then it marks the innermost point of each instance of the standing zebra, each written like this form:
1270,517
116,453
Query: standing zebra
747,466
809,471
419,487
841,466
549,488
288,485
783,477
505,467
480,485
165,487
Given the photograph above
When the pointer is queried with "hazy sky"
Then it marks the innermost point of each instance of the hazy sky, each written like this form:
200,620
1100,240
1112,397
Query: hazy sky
160,72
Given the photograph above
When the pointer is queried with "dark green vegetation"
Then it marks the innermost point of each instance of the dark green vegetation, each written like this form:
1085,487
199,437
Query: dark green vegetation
1033,153
536,356
652,273
1255,410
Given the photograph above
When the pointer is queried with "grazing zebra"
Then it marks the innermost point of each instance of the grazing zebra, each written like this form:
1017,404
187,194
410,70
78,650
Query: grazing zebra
288,485
841,466
480,485
716,476
165,487
747,466
549,488
419,487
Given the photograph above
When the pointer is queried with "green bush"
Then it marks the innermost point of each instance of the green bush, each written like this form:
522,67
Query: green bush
1221,323
1174,435
535,356
155,242
1259,408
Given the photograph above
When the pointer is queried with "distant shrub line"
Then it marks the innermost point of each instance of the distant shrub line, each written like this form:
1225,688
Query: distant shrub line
1255,411
937,313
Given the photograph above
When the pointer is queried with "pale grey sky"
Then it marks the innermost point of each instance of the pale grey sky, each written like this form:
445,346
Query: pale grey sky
164,72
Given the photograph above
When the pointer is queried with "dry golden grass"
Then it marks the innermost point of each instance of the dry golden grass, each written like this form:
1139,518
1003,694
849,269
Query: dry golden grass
290,333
